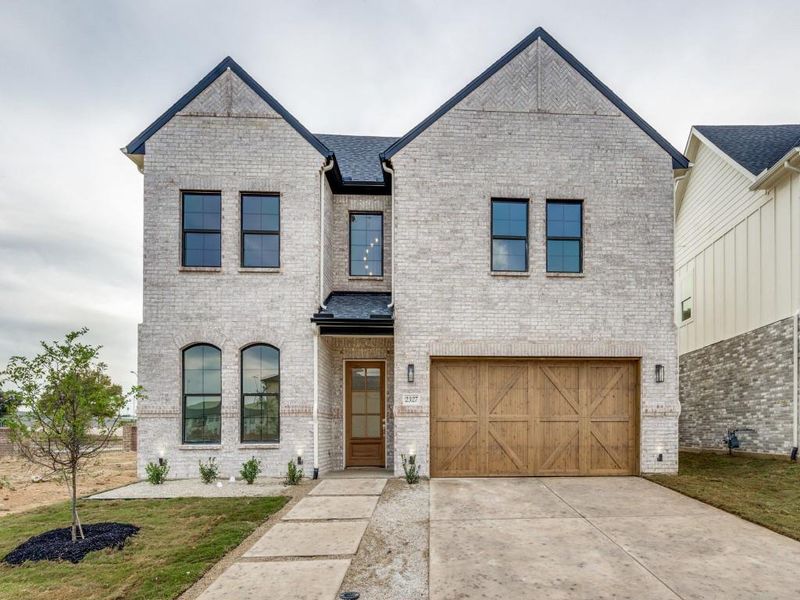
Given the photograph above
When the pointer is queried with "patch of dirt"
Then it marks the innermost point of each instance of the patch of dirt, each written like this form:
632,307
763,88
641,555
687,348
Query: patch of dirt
57,544
392,559
21,489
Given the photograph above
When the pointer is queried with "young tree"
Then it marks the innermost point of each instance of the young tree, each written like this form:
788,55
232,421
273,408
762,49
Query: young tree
59,396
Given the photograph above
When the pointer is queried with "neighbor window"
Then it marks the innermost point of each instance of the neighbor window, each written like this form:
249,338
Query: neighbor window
687,292
201,229
686,309
366,244
202,394
261,394
564,236
509,235
261,220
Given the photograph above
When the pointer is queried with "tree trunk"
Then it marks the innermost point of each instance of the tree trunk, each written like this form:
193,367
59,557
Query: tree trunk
76,523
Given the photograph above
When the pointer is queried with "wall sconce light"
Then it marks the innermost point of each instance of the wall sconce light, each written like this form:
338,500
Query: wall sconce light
660,457
412,451
161,460
300,456
410,373
659,373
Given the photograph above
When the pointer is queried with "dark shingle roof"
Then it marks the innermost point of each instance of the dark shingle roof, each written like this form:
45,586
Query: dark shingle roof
755,147
352,306
358,155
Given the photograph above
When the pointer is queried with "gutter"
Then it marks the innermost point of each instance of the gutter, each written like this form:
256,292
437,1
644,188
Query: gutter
767,174
390,171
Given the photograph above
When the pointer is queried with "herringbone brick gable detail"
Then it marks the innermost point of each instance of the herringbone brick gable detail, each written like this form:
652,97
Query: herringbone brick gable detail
229,96
538,80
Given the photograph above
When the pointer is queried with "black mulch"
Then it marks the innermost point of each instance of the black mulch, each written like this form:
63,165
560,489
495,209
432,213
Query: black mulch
57,544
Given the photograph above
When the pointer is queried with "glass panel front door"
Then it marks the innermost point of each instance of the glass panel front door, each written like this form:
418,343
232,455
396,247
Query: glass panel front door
365,414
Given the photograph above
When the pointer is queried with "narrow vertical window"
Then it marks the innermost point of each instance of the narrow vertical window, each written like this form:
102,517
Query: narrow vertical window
509,235
366,244
201,229
202,394
687,293
564,236
261,394
261,224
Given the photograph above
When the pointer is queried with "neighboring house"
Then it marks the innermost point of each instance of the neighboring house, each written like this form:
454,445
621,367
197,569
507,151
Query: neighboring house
491,292
737,285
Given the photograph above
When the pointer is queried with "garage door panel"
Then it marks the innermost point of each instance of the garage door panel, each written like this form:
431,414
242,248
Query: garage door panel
508,448
534,417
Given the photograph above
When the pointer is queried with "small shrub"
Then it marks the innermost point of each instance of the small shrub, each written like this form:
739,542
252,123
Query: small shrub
294,475
156,473
209,470
410,468
250,470
5,484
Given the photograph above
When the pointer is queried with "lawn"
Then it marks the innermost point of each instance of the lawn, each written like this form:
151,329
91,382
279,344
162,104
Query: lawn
179,540
762,490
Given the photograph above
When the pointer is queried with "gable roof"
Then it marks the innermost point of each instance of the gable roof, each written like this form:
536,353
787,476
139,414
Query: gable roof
754,147
137,144
679,161
358,156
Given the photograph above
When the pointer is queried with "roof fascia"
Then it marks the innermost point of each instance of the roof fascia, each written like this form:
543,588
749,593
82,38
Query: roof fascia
768,177
679,161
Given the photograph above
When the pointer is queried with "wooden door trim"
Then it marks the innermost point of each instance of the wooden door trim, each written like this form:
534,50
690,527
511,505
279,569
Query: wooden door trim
347,401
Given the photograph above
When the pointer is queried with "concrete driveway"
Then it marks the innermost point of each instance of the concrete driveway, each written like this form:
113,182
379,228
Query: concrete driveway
597,538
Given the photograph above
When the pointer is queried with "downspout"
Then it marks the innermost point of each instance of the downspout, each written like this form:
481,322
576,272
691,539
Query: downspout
390,171
794,388
315,410
324,169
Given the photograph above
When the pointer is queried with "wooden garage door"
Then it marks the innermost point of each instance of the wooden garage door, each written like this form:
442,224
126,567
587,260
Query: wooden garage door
534,417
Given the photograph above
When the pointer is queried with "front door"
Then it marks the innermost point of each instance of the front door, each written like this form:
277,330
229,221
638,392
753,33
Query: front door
365,439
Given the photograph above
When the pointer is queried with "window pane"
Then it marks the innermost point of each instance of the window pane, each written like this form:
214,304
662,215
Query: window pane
261,250
202,419
201,250
260,419
373,426
357,379
260,370
509,218
366,245
201,374
686,309
564,219
359,402
260,213
359,425
373,402
563,256
201,211
508,255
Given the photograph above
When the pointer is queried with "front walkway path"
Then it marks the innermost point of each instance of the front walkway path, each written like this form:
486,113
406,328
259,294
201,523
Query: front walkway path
306,555
594,538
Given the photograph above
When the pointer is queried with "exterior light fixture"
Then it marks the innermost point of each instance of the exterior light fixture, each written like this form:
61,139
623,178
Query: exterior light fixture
659,373
410,373
161,460
412,451
300,456
660,457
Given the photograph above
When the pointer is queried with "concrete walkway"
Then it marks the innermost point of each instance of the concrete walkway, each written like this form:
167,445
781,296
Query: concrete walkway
306,555
593,538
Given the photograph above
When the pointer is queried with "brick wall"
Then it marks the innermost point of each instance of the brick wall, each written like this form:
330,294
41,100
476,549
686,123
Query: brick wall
6,447
744,381
129,438
535,130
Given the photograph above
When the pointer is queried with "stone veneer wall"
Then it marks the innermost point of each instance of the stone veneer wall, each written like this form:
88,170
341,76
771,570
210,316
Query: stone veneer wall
744,381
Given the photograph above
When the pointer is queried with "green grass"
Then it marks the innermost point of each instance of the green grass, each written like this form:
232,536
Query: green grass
762,490
179,540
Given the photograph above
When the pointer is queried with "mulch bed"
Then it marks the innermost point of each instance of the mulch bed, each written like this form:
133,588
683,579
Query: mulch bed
57,544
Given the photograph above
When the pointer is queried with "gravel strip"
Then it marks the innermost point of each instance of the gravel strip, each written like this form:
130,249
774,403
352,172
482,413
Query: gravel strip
392,560
194,488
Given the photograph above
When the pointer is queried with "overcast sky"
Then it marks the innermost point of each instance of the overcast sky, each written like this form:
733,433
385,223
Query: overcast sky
80,79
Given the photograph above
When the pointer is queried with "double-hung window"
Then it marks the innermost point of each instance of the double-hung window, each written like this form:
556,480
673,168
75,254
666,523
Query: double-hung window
564,236
261,228
509,235
366,244
201,222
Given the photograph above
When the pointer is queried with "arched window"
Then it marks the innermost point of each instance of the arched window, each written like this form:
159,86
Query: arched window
202,394
261,394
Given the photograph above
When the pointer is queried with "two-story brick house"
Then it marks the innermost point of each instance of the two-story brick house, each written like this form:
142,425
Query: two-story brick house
491,292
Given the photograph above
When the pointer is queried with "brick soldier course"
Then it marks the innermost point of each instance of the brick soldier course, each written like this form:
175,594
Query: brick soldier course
535,126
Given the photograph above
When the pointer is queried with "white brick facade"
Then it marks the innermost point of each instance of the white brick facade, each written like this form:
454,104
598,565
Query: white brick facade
535,130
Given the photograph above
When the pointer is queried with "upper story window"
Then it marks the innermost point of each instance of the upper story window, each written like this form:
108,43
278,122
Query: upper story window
201,229
202,394
509,235
564,236
366,244
261,394
261,225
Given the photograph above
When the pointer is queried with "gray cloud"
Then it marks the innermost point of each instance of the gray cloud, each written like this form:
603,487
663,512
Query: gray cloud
80,79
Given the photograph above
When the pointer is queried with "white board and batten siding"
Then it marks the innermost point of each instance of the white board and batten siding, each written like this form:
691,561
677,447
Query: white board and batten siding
737,252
